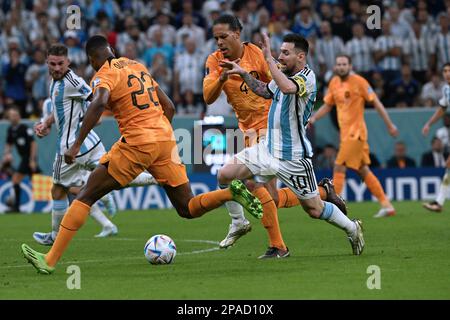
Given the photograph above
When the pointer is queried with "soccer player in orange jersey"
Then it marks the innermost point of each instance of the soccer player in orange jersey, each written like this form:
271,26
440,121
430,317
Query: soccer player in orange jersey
349,92
252,112
143,112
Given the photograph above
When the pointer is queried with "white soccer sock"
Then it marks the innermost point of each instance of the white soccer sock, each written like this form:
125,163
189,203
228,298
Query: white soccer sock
336,217
235,210
58,210
97,215
144,179
443,189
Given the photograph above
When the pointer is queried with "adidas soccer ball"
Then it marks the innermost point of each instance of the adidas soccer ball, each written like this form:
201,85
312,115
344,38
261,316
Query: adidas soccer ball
160,249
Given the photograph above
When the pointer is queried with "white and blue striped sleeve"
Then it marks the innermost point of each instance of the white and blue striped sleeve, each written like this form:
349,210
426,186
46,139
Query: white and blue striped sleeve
444,102
76,87
271,87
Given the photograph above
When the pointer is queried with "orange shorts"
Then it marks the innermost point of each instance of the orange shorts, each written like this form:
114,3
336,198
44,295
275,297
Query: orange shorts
161,160
353,154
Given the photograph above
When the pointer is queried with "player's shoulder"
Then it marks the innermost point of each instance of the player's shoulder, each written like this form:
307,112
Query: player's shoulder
214,57
72,79
307,74
253,48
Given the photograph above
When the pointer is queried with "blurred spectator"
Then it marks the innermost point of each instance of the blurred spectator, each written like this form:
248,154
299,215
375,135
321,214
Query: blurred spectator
264,20
379,87
188,10
418,51
161,72
188,89
328,47
190,30
436,157
326,159
313,59
13,73
443,133
103,27
162,25
159,46
360,48
399,27
37,79
280,10
304,24
355,14
109,7
253,14
131,52
276,38
431,91
400,159
76,55
388,52
44,29
131,34
427,24
404,89
339,26
443,41
325,11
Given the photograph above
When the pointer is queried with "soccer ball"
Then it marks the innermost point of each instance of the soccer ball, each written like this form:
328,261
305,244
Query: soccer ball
160,249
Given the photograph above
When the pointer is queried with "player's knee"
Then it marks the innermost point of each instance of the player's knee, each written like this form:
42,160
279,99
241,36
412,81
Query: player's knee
223,176
313,211
184,213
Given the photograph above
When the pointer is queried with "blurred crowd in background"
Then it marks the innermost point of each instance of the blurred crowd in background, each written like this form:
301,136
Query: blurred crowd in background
402,59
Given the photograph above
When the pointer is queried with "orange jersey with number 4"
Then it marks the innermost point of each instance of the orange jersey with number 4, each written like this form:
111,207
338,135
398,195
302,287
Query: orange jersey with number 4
251,110
133,101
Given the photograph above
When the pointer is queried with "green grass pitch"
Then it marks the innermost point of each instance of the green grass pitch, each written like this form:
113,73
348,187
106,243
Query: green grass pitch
411,249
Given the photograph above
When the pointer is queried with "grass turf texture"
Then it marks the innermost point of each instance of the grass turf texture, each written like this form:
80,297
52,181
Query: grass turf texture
411,249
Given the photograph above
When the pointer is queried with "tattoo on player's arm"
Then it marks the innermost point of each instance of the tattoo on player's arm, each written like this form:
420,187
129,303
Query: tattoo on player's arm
258,87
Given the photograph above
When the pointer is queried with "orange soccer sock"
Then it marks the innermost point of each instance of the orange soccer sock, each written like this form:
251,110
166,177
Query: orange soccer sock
338,181
270,218
72,221
376,189
287,198
205,202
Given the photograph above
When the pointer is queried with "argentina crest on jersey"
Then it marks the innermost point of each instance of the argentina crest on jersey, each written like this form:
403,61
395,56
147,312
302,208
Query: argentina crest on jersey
289,115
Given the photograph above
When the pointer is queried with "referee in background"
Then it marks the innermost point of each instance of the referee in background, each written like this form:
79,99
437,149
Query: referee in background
20,136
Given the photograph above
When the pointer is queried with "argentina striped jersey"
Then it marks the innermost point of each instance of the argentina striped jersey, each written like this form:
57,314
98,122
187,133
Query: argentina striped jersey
445,99
288,116
68,101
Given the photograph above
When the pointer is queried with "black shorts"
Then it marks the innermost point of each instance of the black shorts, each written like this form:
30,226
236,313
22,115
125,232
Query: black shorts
24,168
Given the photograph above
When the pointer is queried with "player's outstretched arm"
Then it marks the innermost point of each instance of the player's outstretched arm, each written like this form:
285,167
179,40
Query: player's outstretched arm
435,117
214,80
323,110
93,114
393,131
258,87
166,104
285,85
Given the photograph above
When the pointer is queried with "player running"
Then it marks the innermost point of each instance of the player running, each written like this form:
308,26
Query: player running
349,92
285,152
444,102
251,111
59,207
143,112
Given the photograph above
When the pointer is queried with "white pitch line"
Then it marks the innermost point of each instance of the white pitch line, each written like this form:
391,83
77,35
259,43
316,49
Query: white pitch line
127,258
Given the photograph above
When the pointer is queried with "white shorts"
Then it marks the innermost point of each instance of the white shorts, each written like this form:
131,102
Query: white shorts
298,175
74,175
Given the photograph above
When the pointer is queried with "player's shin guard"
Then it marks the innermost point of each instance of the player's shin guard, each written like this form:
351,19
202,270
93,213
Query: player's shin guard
374,186
235,210
72,221
443,189
270,218
205,202
338,181
336,217
58,210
